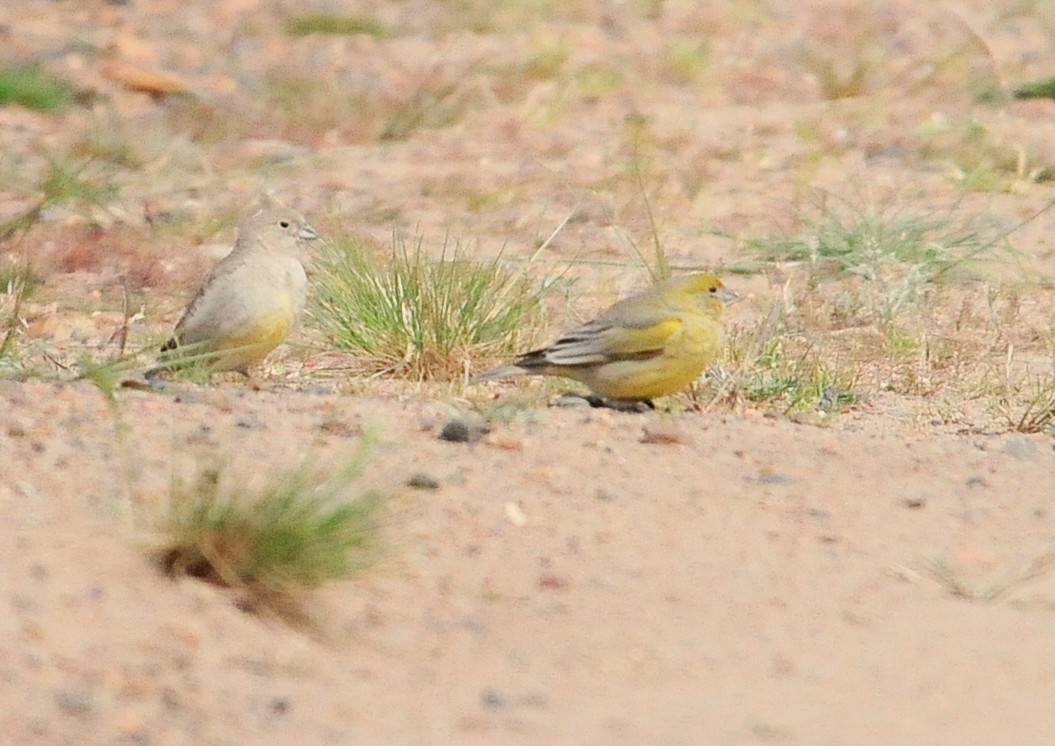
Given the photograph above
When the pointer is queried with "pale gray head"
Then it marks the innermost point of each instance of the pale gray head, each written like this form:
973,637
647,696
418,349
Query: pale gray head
274,228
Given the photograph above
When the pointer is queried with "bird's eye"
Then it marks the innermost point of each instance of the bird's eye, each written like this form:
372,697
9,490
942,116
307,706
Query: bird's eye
284,223
714,289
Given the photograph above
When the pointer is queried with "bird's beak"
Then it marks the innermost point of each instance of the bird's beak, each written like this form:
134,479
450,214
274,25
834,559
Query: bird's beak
307,233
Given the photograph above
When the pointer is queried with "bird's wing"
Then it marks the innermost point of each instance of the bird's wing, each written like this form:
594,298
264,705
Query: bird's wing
215,312
602,342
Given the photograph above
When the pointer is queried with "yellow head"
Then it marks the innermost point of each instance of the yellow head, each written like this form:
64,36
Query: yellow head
701,290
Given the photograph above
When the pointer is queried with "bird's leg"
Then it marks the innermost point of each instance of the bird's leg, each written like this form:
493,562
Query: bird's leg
253,382
638,406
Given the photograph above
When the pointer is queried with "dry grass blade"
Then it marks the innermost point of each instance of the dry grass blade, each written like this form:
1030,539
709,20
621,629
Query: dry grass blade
1038,413
15,286
949,578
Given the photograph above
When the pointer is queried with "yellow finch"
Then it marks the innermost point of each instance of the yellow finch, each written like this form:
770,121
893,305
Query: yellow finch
250,301
651,344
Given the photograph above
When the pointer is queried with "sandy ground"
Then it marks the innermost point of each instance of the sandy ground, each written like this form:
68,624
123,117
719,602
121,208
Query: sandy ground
579,576
567,583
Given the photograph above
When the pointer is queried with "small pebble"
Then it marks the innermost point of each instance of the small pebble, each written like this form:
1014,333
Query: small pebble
663,433
506,443
250,421
534,700
552,582
772,477
465,430
493,699
340,428
74,703
820,515
570,400
1022,449
515,514
423,481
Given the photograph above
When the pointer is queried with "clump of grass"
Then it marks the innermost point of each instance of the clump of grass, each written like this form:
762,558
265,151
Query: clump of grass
303,111
512,81
686,59
951,578
17,278
487,17
1044,88
407,314
983,160
886,299
105,377
295,532
844,239
834,83
895,250
429,107
61,183
29,87
784,373
316,23
17,283
304,107
1031,410
595,80
71,182
797,379
544,64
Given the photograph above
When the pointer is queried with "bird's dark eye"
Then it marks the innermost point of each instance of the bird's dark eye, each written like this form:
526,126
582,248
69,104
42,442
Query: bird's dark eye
714,289
284,223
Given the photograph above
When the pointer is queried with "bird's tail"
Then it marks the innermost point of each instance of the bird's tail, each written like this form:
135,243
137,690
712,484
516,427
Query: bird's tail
506,371
174,356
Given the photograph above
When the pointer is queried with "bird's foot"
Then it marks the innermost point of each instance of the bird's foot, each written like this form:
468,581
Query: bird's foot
637,406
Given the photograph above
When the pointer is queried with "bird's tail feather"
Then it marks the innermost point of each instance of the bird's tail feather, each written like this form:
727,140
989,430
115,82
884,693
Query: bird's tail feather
506,371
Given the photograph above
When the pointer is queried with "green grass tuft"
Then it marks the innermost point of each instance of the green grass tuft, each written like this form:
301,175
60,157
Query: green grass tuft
70,182
295,532
784,373
866,242
29,87
316,23
431,107
686,59
895,252
595,80
303,108
61,183
409,314
983,158
1036,89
